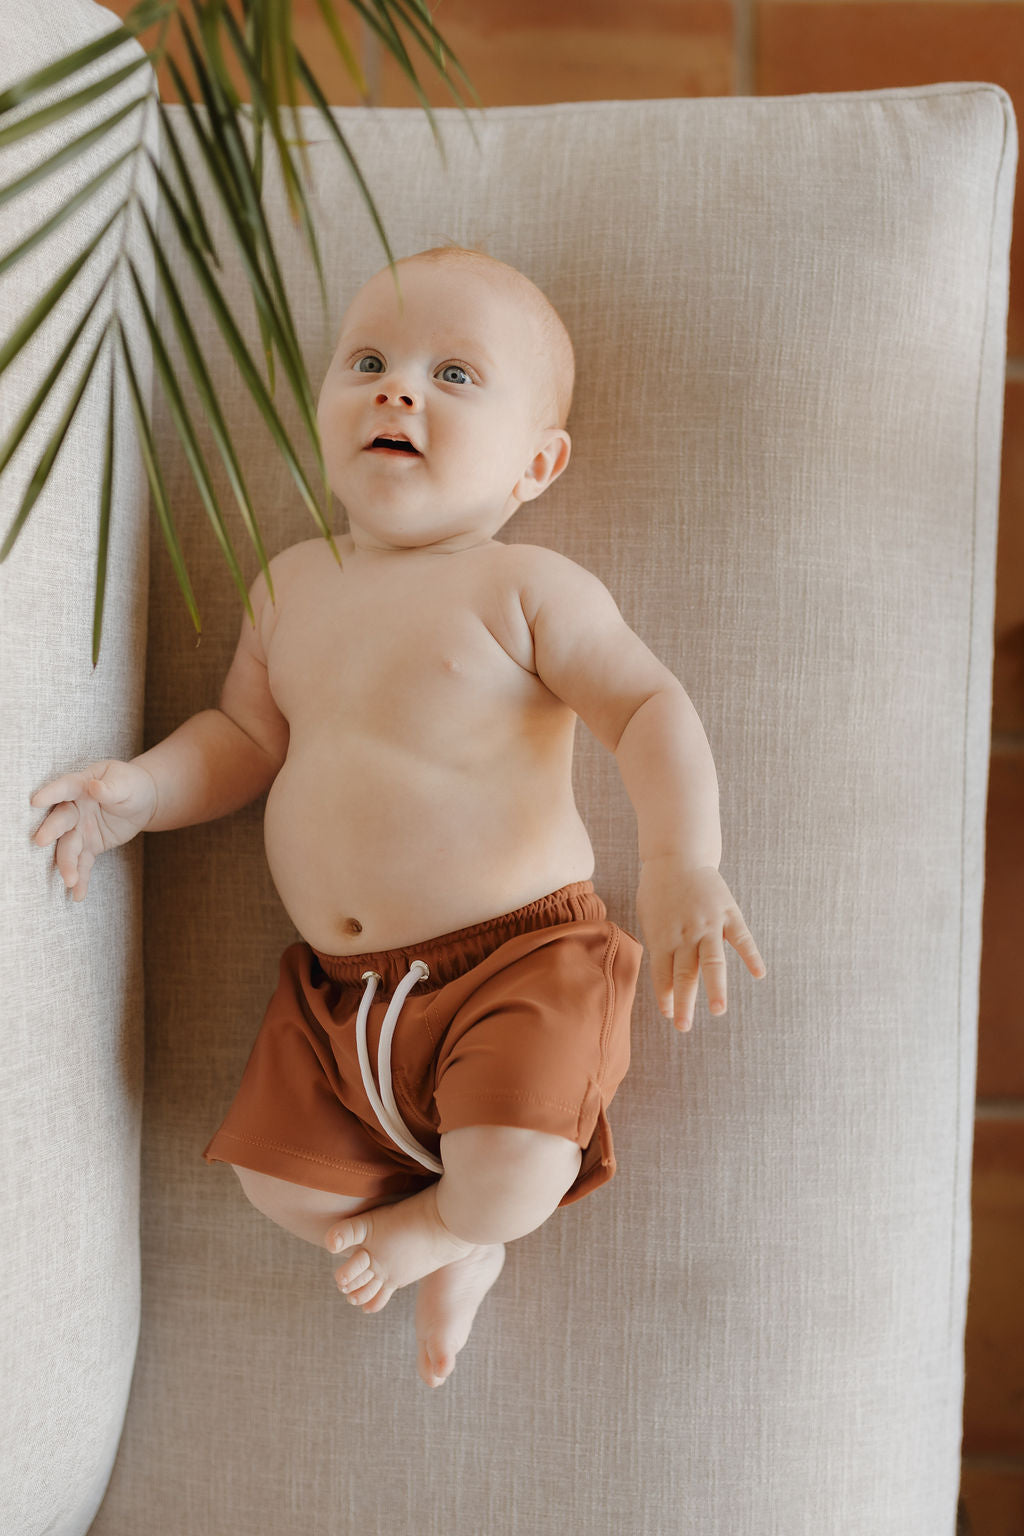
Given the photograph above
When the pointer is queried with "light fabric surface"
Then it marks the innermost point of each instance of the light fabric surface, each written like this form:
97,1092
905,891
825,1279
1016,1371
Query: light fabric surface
71,977
789,317
790,326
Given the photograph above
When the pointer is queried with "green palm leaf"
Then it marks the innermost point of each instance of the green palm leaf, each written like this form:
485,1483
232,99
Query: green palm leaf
66,209
49,457
62,157
297,200
187,433
229,136
103,532
157,484
142,16
39,399
343,47
208,397
44,307
24,127
242,357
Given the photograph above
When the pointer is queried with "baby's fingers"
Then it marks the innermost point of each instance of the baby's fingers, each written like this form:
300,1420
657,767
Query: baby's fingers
685,980
84,870
68,856
713,970
661,979
61,819
70,786
741,939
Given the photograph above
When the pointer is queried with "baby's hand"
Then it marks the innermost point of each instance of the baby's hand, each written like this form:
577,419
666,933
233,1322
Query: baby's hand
686,914
100,808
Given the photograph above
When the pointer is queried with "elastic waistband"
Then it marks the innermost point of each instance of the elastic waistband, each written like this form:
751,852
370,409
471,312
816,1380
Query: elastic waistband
453,954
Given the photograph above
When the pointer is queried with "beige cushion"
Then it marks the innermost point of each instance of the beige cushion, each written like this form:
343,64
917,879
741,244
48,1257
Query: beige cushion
789,318
70,976
790,326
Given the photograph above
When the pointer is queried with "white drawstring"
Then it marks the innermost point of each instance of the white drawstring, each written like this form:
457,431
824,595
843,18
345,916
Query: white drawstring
383,1104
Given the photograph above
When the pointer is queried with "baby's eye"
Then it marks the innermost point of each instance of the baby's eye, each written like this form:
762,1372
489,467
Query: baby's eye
369,364
454,373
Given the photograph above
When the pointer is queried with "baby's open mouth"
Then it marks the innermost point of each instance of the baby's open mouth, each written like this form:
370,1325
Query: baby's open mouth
394,444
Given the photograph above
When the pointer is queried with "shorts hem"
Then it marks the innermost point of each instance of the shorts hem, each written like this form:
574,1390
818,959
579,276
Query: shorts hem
311,1169
521,1111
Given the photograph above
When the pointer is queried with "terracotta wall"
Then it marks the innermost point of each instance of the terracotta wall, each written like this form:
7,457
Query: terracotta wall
518,51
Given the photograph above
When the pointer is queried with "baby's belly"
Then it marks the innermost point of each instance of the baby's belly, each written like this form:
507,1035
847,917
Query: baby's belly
382,851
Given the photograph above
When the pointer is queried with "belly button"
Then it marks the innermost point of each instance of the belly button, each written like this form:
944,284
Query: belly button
352,925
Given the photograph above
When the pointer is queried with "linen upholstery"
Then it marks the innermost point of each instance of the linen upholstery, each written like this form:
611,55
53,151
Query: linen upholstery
71,976
789,317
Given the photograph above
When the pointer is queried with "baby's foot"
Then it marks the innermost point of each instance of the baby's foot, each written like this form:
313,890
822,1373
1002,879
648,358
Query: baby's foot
395,1245
447,1303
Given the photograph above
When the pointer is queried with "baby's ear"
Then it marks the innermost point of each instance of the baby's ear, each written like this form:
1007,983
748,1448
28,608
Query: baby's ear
546,465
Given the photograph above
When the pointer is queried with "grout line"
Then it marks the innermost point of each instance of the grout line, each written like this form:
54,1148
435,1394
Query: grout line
369,61
744,48
999,1109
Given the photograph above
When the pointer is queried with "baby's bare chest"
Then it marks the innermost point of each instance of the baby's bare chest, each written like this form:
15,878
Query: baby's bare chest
410,658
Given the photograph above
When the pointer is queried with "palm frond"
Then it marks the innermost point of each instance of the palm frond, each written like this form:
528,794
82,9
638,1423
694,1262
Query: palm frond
103,531
293,180
376,14
24,127
142,16
44,307
343,47
187,435
21,427
229,137
49,456
241,356
157,484
68,152
208,397
66,209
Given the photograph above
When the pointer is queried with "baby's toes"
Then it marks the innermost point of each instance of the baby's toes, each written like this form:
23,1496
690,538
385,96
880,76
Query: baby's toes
354,1271
363,1288
378,1300
435,1362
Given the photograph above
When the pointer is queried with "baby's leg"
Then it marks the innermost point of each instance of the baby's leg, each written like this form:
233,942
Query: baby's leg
499,1183
307,1213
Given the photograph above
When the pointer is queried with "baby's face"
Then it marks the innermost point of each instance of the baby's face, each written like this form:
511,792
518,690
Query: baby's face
449,374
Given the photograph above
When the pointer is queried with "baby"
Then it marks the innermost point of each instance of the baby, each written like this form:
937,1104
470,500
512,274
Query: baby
411,712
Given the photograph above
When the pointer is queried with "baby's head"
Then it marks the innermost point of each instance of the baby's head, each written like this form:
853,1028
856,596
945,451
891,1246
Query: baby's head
467,366
553,364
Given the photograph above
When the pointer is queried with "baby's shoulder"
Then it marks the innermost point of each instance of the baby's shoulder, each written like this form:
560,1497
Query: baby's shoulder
284,581
537,563
296,559
544,575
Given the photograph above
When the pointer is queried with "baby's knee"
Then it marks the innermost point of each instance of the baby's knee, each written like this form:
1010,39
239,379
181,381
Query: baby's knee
512,1151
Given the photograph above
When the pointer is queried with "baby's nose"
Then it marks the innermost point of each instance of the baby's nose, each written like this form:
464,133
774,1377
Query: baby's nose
398,396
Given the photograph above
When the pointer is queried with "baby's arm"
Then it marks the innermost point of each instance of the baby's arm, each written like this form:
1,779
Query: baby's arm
213,764
590,658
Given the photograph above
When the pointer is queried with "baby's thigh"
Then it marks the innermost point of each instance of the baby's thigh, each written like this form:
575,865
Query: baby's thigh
308,1213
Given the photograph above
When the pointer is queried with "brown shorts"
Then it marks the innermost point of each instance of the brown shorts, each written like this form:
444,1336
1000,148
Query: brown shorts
522,1021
